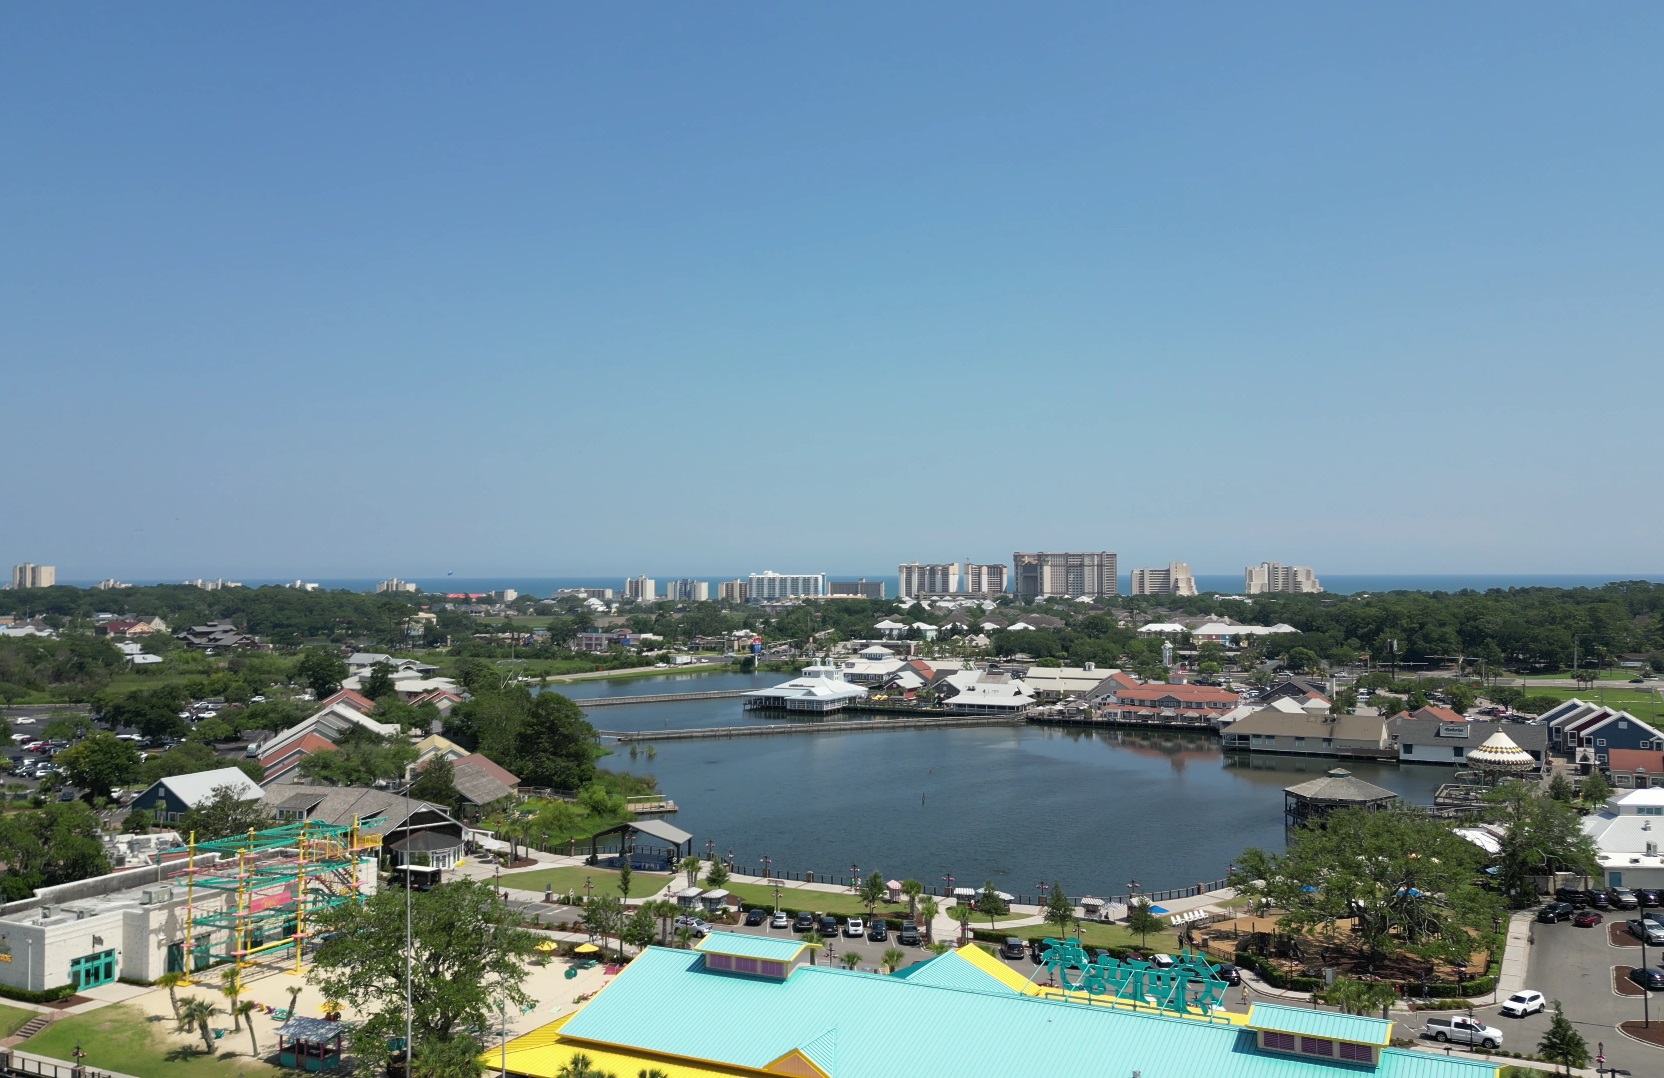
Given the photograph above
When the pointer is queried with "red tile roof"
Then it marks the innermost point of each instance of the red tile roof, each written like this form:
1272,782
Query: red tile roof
355,700
1193,694
306,746
1650,761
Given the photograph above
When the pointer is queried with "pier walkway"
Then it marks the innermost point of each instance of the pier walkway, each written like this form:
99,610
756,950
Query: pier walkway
764,729
658,698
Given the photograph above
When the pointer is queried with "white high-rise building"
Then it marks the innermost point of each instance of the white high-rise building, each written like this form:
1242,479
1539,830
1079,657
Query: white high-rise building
687,591
394,584
935,578
985,579
29,575
769,586
1173,580
643,589
1071,574
1274,577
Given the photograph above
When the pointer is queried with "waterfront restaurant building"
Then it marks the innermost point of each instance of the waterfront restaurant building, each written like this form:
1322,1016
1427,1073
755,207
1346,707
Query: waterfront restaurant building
747,1006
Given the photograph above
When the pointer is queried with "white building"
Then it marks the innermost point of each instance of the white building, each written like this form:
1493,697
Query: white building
393,583
1072,575
643,589
932,578
1626,834
977,692
769,586
1173,580
820,689
687,591
1273,576
29,575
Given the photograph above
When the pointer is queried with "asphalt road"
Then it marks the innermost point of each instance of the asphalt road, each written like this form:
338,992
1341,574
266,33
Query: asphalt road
1574,965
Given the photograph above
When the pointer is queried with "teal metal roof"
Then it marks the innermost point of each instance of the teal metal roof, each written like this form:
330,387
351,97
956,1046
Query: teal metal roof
951,970
767,948
1340,1027
666,1002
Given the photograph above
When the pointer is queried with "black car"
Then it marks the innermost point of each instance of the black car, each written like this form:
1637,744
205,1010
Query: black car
1647,897
879,932
909,934
828,925
1012,948
1651,977
804,922
1577,896
1555,912
1229,973
755,917
1597,899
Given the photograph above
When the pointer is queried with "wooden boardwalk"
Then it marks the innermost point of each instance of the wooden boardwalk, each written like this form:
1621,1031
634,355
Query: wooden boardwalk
766,729
659,698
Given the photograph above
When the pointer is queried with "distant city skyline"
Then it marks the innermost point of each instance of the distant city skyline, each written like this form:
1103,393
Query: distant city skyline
366,290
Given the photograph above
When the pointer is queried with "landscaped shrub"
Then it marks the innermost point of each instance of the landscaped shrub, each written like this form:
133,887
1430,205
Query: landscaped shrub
51,995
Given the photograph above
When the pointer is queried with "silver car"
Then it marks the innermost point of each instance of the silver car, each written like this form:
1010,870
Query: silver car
1647,929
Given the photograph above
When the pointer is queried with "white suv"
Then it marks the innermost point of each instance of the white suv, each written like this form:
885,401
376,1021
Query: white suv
1523,1003
855,928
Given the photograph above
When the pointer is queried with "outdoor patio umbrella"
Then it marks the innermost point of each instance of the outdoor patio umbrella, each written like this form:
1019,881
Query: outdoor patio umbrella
548,945
587,948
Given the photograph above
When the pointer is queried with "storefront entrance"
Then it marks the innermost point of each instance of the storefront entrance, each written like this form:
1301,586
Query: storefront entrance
90,971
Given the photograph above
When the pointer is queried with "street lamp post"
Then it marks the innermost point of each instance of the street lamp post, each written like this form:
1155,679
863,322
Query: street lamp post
589,885
777,900
1646,990
854,875
767,861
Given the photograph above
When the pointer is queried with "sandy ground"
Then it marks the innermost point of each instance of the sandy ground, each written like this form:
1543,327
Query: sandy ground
555,996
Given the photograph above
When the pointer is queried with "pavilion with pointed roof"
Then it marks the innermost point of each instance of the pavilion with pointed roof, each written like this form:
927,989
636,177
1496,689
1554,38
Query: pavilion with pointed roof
1337,789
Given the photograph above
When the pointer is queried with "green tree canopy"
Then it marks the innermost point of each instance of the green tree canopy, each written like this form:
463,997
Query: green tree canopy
322,669
47,846
1402,876
1542,836
225,813
100,763
436,782
470,953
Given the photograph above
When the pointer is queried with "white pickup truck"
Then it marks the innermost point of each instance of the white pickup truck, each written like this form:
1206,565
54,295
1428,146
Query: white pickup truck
1460,1029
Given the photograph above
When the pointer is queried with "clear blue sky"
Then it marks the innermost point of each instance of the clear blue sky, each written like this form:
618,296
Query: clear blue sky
348,289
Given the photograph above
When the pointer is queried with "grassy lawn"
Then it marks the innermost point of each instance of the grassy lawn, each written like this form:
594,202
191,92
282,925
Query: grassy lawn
123,1038
12,1018
605,881
1641,704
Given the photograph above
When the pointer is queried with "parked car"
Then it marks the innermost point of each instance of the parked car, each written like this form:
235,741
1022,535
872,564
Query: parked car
804,922
779,920
1647,897
1577,896
1622,898
879,931
855,928
755,917
1597,899
1162,961
1587,919
697,925
1650,978
1228,973
1459,1029
909,934
1522,1003
1012,948
1648,930
1555,912
828,925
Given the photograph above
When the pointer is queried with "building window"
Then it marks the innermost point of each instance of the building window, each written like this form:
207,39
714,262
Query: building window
1357,1053
1649,810
1409,750
1317,1046
1299,742
1277,1042
1601,743
718,961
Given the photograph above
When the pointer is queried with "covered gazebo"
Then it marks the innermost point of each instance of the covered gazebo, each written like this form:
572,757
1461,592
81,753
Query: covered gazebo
677,844
310,1044
1337,789
1499,758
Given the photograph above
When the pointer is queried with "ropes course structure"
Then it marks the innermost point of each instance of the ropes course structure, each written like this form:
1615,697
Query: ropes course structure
257,899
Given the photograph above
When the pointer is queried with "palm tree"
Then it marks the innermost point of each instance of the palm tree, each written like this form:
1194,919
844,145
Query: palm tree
963,914
654,1073
199,1013
665,910
850,959
684,938
690,865
939,948
171,981
581,1066
294,998
872,891
927,915
245,1010
814,941
893,958
232,989
912,889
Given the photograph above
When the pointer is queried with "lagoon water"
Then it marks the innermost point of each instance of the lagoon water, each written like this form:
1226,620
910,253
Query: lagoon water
1014,804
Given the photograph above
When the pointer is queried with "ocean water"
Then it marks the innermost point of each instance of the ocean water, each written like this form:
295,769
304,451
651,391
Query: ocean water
1229,584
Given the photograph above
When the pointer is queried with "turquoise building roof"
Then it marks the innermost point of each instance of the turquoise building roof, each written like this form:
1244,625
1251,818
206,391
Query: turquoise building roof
861,1025
766,948
1340,1027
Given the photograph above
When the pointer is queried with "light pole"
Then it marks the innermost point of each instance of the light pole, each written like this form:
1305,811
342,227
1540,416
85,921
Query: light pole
776,899
588,886
1646,990
1042,887
947,886
767,861
854,874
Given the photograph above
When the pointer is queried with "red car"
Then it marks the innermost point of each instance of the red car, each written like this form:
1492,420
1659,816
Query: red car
1587,919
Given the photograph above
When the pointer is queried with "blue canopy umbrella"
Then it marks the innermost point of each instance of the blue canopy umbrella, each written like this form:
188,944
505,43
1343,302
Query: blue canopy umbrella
1158,909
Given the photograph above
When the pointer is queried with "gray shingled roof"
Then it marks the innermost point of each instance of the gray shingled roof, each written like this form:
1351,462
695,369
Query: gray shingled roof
1340,785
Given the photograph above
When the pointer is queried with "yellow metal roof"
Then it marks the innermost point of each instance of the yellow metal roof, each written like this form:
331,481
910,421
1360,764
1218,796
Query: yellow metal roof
543,1052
